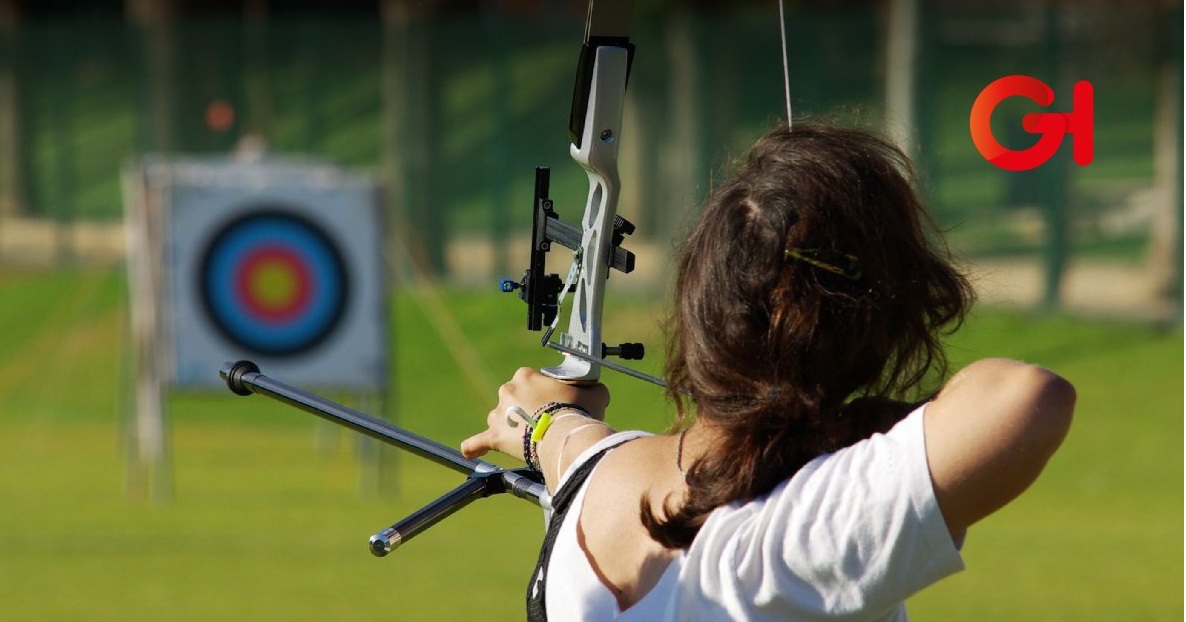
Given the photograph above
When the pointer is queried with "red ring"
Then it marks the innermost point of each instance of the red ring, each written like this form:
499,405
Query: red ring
266,310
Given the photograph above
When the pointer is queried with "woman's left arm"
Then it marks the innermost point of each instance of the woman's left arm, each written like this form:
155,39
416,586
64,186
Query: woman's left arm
530,390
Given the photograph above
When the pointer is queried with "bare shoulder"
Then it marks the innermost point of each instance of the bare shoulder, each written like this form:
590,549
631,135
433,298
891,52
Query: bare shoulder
989,434
617,545
639,467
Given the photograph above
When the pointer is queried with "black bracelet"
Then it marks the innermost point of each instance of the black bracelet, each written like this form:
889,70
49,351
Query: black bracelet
543,419
529,451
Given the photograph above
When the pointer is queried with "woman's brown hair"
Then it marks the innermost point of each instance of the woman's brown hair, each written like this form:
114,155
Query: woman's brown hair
810,295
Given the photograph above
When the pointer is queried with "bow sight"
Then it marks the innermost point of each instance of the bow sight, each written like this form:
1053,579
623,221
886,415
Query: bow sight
543,292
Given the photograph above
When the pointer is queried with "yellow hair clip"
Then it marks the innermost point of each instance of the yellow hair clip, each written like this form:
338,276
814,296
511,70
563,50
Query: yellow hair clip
815,257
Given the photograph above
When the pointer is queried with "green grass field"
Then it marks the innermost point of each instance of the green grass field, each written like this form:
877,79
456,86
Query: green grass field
268,522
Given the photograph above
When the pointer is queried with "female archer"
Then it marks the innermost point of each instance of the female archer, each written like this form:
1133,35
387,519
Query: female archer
813,471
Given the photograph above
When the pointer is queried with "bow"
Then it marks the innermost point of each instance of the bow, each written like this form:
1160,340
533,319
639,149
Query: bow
595,128
595,125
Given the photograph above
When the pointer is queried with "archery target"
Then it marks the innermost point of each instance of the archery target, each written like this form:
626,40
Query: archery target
278,263
273,283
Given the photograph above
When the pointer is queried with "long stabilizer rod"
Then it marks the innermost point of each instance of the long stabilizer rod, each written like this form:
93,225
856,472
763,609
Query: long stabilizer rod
484,479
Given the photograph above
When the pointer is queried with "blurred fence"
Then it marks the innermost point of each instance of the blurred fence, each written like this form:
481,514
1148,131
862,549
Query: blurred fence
453,111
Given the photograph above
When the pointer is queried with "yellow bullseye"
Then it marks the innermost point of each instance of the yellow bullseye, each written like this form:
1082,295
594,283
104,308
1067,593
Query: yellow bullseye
274,284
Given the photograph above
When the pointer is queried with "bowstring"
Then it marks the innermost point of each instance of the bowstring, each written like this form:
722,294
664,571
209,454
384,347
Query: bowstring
786,70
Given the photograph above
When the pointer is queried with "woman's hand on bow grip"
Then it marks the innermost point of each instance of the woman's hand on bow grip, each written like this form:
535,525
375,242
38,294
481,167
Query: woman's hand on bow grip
529,389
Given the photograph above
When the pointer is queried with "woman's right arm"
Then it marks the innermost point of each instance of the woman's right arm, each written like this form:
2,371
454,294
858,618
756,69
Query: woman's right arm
990,432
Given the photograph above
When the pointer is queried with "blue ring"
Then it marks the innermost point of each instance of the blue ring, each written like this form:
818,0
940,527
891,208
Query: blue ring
223,261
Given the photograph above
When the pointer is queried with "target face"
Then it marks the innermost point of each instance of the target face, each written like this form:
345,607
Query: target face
273,283
275,261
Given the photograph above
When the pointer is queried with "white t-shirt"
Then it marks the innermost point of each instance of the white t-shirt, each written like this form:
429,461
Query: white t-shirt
849,537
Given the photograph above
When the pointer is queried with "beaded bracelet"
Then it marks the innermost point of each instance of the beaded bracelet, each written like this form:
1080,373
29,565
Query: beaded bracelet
529,451
538,424
543,418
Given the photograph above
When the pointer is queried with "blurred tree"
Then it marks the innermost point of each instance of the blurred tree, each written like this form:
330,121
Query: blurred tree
411,98
156,21
13,159
901,73
1165,234
255,47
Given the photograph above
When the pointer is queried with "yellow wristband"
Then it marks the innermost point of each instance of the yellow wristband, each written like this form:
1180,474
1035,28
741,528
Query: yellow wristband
544,417
541,427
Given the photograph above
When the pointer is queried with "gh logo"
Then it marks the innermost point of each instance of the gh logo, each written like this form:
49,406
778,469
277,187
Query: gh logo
1051,125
